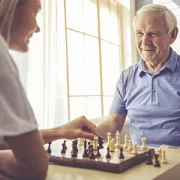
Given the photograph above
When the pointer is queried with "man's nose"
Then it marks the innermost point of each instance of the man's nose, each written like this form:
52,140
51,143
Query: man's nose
146,40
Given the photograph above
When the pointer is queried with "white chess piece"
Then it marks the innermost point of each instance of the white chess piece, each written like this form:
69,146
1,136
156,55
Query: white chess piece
108,138
144,147
130,147
126,142
118,144
134,151
163,157
111,145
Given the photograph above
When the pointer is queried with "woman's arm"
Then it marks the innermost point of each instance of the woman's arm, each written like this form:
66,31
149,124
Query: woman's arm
77,128
27,159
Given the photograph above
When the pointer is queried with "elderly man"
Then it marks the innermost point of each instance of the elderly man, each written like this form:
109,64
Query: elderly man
149,91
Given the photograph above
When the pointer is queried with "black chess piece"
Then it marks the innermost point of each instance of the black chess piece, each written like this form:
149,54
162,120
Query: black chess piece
98,153
85,154
74,149
91,154
156,164
49,148
63,148
108,156
121,156
149,158
100,142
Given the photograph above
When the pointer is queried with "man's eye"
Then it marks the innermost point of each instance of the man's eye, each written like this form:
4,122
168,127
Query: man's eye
153,34
139,34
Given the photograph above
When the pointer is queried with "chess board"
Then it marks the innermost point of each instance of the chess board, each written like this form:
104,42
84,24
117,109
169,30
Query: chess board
114,164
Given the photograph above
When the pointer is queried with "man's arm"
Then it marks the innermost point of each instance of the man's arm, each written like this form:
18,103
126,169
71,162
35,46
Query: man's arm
113,123
27,158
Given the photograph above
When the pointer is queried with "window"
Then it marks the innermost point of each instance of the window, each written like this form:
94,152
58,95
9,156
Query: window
74,62
93,55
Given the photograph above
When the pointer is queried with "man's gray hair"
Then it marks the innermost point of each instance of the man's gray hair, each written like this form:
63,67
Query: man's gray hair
169,17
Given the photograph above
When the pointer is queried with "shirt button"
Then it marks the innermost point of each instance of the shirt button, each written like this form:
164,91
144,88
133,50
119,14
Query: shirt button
154,90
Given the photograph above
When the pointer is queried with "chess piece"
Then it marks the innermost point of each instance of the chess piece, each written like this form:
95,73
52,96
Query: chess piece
80,142
143,147
108,139
111,145
49,148
74,149
118,144
91,154
95,143
108,156
63,151
126,142
100,142
163,157
65,147
85,154
149,158
98,153
156,164
121,156
134,151
159,152
130,147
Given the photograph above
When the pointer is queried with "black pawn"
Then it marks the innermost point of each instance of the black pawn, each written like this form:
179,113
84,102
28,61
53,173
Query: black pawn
121,156
63,148
100,142
91,155
74,149
85,154
49,148
156,164
98,153
108,156
149,158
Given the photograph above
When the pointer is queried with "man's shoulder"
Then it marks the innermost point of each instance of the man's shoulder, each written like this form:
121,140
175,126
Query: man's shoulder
130,70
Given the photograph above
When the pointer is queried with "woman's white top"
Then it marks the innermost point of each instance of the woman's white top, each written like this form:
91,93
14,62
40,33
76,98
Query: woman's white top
16,115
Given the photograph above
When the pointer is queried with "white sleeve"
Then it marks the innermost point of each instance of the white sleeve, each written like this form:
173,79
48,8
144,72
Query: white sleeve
16,115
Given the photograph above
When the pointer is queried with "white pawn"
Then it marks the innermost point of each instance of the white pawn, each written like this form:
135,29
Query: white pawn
108,138
159,152
126,142
80,142
144,147
163,157
130,147
111,145
118,144
134,151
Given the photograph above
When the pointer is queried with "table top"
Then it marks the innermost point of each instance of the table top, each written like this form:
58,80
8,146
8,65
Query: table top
141,171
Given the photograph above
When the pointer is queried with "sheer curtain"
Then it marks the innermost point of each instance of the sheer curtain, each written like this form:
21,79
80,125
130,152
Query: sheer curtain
42,69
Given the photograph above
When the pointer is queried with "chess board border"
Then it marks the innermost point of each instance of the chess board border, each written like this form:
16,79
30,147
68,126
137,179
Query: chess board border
100,165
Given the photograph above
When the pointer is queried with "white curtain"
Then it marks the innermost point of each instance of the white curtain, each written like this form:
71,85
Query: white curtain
43,68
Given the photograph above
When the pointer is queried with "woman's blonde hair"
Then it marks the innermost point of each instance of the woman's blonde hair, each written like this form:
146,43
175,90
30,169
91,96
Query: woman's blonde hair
7,9
169,17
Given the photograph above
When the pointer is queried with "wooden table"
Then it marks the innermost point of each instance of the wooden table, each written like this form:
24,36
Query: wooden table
170,171
139,172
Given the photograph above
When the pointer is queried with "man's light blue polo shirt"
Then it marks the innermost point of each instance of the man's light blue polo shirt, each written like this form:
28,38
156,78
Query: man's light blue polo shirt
151,101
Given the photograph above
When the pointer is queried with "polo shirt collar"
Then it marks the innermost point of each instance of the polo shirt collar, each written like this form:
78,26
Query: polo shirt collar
170,63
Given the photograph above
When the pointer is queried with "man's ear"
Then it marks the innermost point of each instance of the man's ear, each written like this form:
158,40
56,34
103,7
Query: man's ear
174,34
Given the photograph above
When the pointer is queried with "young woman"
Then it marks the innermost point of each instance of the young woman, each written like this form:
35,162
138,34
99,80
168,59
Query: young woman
26,158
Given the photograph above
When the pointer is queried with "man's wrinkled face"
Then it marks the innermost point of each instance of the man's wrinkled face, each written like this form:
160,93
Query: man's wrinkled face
151,38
